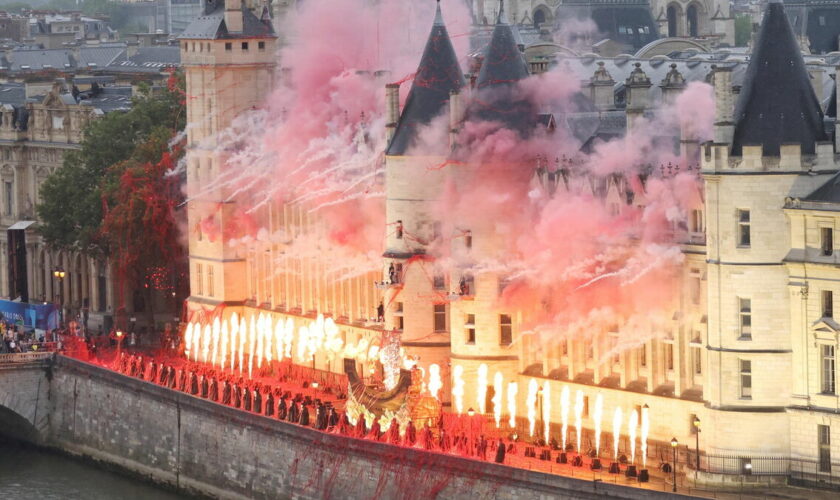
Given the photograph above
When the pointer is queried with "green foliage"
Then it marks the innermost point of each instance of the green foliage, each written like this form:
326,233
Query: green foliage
743,30
71,207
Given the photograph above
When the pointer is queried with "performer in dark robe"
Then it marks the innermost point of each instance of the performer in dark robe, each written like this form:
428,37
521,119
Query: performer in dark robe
332,419
257,400
375,431
500,453
246,398
394,432
161,375
444,442
237,396
294,412
269,405
461,444
321,417
193,384
426,437
361,428
282,409
304,415
410,434
172,378
343,426
225,392
213,391
204,383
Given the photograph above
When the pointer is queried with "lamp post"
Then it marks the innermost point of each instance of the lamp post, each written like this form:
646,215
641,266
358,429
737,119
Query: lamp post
470,414
59,275
674,444
697,440
119,335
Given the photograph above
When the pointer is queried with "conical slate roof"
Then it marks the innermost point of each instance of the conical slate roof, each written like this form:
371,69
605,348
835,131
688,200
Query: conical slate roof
438,74
497,99
777,104
503,64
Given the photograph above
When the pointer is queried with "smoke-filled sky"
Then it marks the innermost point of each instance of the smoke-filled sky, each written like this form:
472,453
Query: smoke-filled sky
575,265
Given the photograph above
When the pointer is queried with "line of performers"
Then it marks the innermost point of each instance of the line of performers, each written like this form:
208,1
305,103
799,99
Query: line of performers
273,401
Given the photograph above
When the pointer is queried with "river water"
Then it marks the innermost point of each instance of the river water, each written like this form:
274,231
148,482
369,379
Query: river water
31,474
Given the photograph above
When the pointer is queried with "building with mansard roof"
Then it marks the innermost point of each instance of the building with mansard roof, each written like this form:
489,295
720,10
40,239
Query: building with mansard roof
751,356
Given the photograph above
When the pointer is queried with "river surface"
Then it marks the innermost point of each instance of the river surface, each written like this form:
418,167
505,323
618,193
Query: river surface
30,474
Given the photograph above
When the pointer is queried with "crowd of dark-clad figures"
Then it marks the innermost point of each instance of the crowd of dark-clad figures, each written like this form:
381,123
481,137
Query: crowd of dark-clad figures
276,400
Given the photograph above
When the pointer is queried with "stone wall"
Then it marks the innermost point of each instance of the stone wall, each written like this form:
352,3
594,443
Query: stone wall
201,447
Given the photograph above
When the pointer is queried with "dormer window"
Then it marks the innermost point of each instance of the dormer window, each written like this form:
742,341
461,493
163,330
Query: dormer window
827,241
228,46
261,45
244,45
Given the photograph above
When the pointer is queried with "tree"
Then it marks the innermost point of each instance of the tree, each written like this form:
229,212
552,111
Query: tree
99,201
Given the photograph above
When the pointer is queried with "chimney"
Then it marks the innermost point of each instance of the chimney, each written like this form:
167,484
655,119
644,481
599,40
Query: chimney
455,116
233,15
602,88
637,87
131,48
689,145
392,110
672,84
724,105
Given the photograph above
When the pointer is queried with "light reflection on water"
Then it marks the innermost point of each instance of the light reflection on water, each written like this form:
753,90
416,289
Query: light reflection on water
28,474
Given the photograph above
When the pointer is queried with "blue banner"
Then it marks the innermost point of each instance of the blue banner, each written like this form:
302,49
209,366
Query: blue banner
40,316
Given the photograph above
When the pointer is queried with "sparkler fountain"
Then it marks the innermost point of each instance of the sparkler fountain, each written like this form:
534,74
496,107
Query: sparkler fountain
458,388
564,417
597,416
435,382
643,474
531,403
481,390
631,432
616,434
512,389
579,417
546,411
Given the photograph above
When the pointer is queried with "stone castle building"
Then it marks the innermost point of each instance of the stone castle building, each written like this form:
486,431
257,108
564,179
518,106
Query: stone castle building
751,353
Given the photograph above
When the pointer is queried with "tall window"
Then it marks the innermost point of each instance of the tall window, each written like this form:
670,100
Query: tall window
697,354
398,316
470,327
211,286
440,317
696,221
399,230
8,196
669,355
827,365
505,329
696,289
827,241
643,356
199,276
746,378
743,228
824,443
439,282
745,318
827,304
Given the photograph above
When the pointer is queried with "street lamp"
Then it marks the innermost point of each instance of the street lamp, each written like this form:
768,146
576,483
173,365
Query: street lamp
697,440
674,444
60,274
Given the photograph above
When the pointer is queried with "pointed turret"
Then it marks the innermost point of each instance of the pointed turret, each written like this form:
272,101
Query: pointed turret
437,76
777,104
503,64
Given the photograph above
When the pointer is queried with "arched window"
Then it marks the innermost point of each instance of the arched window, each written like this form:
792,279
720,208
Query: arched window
672,21
692,20
539,18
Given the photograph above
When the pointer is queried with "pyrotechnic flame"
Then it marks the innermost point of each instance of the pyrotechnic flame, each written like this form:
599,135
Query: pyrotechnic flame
217,330
196,341
278,339
631,431
616,431
188,334
302,343
579,416
223,348
458,388
258,351
252,337
234,330
497,398
435,382
546,416
268,335
645,429
288,337
243,338
481,392
597,415
564,413
206,336
531,403
512,389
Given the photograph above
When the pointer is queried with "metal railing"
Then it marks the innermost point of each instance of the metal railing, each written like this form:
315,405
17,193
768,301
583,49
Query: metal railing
25,357
800,472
